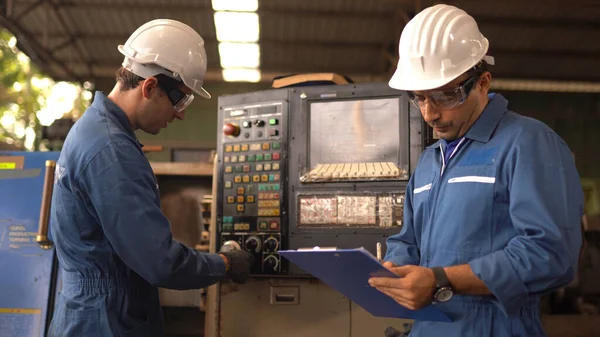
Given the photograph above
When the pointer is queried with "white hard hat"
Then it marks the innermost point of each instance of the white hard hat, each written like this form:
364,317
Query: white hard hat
438,45
167,47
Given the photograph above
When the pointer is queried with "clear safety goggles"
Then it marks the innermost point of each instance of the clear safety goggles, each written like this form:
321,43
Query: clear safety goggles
178,98
445,98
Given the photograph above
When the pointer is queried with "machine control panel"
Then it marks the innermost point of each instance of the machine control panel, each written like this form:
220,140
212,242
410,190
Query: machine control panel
251,186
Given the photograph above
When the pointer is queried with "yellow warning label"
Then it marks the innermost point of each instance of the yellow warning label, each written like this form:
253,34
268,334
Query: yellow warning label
8,166
20,311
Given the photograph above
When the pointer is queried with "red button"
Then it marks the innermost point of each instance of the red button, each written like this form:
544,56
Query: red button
274,225
276,156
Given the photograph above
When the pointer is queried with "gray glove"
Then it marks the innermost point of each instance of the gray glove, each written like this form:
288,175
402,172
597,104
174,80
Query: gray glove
240,263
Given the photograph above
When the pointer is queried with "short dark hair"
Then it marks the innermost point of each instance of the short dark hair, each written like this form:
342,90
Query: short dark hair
127,79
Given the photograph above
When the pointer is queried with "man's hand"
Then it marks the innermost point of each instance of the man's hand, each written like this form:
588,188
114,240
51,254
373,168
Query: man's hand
414,290
239,264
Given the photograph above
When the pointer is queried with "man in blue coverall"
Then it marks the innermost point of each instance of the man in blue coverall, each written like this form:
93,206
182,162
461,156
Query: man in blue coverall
114,243
493,209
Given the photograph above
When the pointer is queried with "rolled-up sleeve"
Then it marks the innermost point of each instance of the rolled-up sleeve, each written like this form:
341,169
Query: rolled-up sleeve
402,248
546,205
122,193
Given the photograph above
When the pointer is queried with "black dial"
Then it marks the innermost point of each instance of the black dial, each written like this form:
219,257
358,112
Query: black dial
271,244
271,263
253,244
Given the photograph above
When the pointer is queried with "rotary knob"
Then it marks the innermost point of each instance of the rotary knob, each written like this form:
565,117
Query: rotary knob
271,244
231,129
271,263
253,244
230,246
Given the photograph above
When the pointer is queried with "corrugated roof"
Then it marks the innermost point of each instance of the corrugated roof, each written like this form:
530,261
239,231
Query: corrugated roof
549,39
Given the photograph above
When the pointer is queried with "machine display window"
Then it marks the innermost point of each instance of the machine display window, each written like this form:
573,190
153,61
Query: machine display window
356,140
351,211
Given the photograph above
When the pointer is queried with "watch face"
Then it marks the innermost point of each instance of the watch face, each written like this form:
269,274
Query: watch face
443,295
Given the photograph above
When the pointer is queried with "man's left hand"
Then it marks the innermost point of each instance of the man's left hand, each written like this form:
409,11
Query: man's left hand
413,290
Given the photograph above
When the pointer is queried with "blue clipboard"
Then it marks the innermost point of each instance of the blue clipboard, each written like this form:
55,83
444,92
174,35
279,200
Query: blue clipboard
348,271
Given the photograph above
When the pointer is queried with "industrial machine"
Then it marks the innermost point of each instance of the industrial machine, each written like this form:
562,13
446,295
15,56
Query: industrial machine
27,260
302,167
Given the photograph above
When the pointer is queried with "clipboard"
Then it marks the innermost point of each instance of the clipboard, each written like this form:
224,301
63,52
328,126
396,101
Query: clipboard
348,271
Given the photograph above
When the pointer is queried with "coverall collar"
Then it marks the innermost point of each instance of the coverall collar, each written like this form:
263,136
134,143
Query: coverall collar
113,111
484,126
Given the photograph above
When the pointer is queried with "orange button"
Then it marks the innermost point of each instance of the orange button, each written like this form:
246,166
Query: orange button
240,208
274,225
240,190
250,198
230,200
240,199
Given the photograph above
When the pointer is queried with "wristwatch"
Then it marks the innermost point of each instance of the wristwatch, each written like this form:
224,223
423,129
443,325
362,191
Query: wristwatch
443,291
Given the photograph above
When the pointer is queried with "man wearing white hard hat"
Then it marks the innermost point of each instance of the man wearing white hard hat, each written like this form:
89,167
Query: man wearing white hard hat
114,244
493,209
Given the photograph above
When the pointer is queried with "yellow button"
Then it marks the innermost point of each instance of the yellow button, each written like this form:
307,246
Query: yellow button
254,147
228,148
250,198
237,179
230,200
242,159
275,166
240,190
228,169
264,177
240,199
236,148
240,208
234,159
256,178
266,146
244,147
246,179
259,167
267,167
226,160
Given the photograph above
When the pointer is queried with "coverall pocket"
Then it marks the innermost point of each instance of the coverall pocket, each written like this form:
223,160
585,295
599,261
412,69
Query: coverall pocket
142,330
468,207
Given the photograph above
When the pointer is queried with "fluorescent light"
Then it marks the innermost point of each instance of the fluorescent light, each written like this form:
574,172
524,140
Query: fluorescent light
239,55
241,75
235,5
237,27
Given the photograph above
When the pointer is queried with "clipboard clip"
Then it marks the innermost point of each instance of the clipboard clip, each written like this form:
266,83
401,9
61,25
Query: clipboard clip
316,248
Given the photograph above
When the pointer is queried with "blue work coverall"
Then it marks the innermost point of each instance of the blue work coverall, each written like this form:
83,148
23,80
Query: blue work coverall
509,203
114,243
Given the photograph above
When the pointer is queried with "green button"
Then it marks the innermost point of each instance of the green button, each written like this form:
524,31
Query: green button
262,187
262,225
238,168
227,219
227,226
276,145
259,157
251,157
273,121
276,187
267,156
271,177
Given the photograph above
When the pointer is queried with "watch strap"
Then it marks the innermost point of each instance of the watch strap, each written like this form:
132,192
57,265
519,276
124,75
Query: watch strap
441,279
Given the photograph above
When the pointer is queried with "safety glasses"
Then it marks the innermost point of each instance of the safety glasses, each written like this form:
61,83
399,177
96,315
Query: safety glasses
445,98
178,98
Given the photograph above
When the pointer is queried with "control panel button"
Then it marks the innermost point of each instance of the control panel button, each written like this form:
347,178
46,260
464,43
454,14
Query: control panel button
259,122
247,124
259,157
267,167
255,147
226,159
251,157
231,129
240,199
273,121
276,156
262,226
228,148
266,146
276,145
244,147
237,179
275,166
246,168
240,190
228,169
228,184
242,159
237,148
250,199
274,225
259,167
234,159
238,168
246,179
240,208
256,178
273,132
267,156
227,227
230,199
264,177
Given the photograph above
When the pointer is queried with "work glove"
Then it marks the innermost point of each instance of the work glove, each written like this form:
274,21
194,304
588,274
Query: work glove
239,264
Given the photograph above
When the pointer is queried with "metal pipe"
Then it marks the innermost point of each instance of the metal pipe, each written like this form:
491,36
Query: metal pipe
42,234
